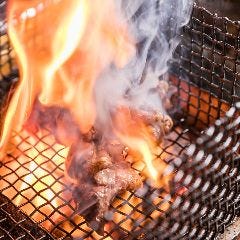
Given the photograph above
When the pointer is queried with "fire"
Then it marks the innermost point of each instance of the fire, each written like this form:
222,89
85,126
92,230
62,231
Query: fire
60,53
134,133
36,188
62,48
46,198
60,57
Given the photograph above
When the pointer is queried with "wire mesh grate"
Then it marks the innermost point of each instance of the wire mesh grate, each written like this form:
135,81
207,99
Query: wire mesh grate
33,178
202,152
15,225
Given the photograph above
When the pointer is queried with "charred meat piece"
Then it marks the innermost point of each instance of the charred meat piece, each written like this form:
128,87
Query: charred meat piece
79,162
120,176
98,174
102,161
166,91
79,170
57,121
157,120
112,181
158,123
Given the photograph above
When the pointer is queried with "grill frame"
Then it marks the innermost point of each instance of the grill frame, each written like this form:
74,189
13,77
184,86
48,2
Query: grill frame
192,115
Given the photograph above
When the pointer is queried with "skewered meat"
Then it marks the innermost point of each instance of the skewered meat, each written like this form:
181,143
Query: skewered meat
98,176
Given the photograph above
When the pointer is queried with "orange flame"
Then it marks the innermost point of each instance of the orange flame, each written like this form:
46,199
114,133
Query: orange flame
135,134
61,48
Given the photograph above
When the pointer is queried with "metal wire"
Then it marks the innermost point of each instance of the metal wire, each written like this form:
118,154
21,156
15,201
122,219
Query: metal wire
15,225
204,195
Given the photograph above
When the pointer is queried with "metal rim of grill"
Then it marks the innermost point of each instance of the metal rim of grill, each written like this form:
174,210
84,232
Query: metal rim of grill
204,196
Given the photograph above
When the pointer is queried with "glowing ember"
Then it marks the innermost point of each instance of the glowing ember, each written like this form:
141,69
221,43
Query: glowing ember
33,178
32,168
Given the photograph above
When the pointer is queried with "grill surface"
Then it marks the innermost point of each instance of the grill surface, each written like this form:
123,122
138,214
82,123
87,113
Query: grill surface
204,196
16,225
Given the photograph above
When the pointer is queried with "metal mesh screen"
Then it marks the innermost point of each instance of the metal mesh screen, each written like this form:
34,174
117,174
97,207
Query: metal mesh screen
16,225
209,55
203,196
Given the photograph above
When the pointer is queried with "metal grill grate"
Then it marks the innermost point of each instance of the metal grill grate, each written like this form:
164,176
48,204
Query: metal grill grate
204,195
209,55
33,178
15,225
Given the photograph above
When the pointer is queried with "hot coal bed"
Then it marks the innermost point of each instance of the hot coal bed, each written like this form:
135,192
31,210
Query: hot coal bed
204,195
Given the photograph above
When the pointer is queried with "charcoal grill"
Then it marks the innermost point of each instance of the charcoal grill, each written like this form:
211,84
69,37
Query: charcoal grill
202,151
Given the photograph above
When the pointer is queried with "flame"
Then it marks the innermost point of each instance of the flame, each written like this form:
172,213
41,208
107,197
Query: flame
61,49
44,197
135,134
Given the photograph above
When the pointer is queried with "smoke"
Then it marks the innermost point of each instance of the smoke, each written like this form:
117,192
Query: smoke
154,25
120,48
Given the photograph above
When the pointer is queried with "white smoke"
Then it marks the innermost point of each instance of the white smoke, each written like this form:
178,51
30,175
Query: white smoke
154,25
